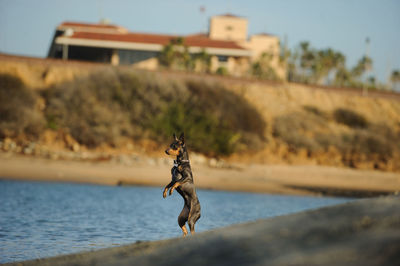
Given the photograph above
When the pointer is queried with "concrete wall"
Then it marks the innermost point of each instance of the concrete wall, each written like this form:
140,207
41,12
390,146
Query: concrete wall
228,28
263,43
149,64
235,28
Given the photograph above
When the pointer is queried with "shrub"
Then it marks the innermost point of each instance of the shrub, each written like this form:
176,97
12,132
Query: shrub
215,119
223,71
367,143
17,109
297,130
350,118
302,130
233,109
87,110
204,130
107,105
379,140
314,110
260,71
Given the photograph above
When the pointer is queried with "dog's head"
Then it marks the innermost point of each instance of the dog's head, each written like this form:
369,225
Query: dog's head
176,146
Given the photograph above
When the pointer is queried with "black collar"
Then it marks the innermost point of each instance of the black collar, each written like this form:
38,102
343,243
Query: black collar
181,161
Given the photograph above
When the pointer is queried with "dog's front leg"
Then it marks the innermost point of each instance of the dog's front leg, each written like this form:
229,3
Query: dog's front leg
164,194
179,181
177,184
166,189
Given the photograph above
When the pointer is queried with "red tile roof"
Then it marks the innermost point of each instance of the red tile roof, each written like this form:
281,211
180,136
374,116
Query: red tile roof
88,25
202,41
199,34
191,40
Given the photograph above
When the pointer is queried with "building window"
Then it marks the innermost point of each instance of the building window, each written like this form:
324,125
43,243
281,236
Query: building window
93,54
229,28
127,57
222,58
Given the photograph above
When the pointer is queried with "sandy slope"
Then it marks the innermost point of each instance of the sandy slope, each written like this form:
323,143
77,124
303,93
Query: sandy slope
316,141
280,179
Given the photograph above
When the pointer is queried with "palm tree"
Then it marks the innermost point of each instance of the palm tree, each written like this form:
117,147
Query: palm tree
203,60
395,79
292,66
342,77
336,60
167,55
358,71
364,64
371,82
318,65
307,57
262,67
324,63
176,55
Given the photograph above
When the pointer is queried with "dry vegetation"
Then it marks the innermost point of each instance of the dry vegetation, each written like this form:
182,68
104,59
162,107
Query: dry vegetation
247,120
18,112
111,104
359,139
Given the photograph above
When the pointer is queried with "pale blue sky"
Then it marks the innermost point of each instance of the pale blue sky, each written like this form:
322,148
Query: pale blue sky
27,26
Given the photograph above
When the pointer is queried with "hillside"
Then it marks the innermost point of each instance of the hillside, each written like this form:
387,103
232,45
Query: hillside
50,105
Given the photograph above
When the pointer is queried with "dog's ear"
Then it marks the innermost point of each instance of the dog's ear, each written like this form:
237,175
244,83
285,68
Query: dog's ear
182,137
174,136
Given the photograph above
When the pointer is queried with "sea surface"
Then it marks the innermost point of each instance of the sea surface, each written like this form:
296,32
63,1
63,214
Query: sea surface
39,219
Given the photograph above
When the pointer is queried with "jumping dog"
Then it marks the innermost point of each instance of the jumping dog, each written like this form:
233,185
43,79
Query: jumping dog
182,181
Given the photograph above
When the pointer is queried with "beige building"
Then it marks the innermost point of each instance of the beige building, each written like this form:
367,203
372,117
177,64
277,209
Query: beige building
270,45
227,43
228,27
234,28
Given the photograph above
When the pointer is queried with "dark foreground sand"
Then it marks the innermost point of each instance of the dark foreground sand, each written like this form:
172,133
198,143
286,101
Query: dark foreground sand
363,232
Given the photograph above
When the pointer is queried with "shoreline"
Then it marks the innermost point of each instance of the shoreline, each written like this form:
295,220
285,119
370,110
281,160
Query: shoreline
274,179
361,232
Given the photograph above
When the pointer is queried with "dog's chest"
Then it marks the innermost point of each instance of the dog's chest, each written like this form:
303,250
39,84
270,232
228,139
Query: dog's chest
177,169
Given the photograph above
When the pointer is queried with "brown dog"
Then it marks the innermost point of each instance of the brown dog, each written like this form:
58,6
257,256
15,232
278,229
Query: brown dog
182,181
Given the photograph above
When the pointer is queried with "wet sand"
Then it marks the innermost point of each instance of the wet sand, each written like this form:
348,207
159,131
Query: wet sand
276,179
362,232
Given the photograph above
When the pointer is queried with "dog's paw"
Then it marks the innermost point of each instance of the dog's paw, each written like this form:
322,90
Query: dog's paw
170,192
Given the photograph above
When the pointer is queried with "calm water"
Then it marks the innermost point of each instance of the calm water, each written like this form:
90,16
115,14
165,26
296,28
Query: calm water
47,219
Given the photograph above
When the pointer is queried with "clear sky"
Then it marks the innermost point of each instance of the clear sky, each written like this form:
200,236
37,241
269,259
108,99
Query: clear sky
27,26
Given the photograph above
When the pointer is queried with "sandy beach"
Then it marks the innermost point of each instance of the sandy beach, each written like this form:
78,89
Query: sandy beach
276,179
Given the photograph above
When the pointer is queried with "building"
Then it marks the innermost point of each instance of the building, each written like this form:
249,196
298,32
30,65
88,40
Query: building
227,43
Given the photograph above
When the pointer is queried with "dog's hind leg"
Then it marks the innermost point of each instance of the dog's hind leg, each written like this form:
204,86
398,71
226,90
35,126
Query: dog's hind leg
193,217
182,219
